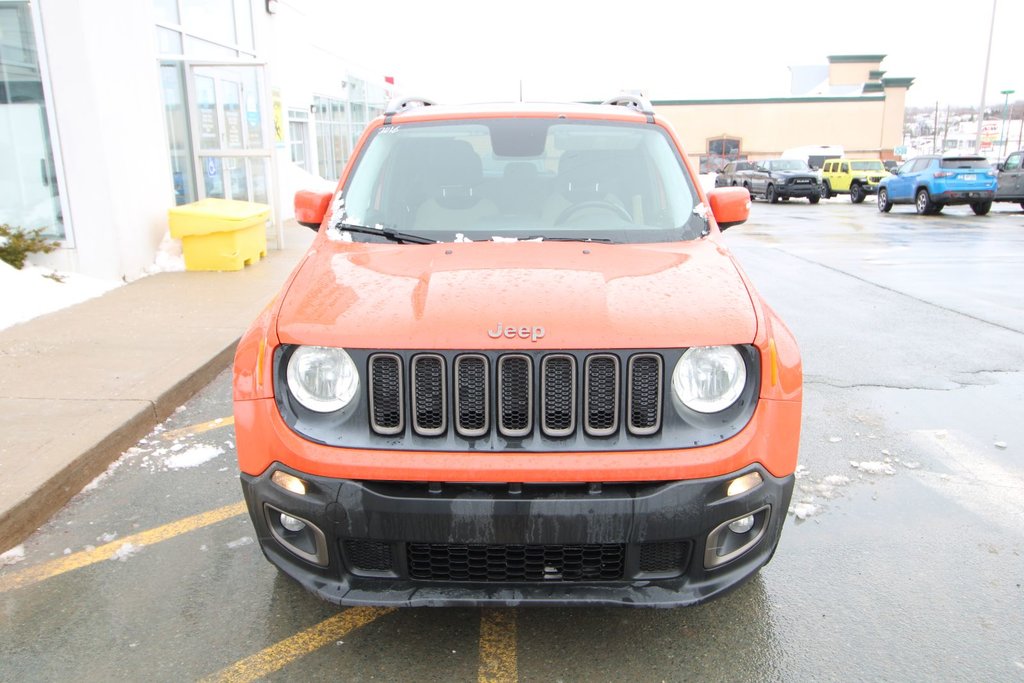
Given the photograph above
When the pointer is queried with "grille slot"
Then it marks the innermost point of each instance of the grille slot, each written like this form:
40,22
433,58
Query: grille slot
515,395
483,563
386,401
368,556
663,558
558,395
645,384
472,410
601,392
429,394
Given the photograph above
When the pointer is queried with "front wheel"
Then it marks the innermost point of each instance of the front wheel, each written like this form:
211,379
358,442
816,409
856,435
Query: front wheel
981,208
770,195
923,202
825,191
857,193
884,205
814,199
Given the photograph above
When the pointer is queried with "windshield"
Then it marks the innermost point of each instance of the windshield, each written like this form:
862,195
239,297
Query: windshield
524,178
788,165
967,162
867,166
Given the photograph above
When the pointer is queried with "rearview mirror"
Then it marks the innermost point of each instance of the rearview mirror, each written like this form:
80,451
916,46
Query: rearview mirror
311,207
729,205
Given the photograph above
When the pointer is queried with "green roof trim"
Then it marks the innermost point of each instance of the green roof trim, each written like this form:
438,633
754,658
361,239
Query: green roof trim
875,75
771,100
897,82
873,87
854,59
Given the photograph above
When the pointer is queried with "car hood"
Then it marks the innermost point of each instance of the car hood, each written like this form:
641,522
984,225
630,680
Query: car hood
466,295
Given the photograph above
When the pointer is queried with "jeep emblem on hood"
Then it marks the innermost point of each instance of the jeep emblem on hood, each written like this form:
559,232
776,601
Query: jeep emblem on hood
532,333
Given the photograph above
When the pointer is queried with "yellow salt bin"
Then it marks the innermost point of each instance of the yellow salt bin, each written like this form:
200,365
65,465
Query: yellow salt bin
220,234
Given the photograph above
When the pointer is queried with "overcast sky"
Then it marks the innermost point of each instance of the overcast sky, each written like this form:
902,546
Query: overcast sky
461,51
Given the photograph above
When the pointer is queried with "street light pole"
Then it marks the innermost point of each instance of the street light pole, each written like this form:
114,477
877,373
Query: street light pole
984,81
1002,128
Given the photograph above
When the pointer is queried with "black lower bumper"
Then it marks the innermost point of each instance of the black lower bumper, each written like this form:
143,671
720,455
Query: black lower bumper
410,544
801,190
965,197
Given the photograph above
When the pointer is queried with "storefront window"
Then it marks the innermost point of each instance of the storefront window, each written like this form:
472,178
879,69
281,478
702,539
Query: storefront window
29,196
178,135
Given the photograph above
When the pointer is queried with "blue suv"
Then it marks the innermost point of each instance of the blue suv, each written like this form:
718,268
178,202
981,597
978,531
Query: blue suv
932,182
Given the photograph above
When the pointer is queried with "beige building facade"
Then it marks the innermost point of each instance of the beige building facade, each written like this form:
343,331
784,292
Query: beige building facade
850,103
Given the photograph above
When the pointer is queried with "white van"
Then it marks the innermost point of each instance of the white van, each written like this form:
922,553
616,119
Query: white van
814,155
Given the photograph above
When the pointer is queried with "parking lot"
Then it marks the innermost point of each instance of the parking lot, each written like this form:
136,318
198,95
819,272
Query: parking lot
901,559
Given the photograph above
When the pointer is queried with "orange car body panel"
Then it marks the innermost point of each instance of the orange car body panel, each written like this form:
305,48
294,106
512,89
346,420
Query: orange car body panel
584,296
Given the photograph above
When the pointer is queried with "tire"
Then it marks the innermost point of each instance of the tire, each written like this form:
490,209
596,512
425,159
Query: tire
814,199
884,205
937,208
923,202
826,191
857,193
770,196
981,208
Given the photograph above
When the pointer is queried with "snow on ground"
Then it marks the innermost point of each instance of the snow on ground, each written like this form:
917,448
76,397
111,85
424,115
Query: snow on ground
125,551
12,556
193,457
43,290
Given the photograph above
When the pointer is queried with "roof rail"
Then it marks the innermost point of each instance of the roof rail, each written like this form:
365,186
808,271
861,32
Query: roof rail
636,102
399,105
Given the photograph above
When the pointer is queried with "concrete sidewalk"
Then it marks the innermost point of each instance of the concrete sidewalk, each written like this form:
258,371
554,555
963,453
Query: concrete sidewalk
81,385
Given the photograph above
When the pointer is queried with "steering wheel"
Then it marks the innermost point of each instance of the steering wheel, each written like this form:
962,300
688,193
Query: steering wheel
596,204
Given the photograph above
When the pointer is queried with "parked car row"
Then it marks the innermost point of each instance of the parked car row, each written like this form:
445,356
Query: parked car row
929,182
772,179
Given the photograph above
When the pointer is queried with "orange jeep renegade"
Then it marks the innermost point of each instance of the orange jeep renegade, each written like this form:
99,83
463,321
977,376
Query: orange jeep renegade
518,365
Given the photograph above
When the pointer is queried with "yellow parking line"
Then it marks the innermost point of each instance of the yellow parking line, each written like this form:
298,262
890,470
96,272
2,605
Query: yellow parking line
198,429
275,657
31,575
498,646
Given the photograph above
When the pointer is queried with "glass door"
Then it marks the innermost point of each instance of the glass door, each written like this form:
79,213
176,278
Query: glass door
29,194
233,154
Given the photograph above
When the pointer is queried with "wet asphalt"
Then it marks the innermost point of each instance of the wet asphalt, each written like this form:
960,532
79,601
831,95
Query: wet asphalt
905,562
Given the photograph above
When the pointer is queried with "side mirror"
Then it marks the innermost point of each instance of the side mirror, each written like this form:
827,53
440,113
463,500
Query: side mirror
311,207
729,205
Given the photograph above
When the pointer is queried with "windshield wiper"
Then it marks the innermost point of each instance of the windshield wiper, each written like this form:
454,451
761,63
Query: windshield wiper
566,239
386,233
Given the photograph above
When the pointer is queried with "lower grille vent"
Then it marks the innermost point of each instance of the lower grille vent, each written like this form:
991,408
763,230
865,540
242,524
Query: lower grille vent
450,562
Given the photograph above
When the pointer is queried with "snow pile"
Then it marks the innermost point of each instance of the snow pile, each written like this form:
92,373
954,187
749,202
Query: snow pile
803,510
193,457
43,290
13,556
873,467
169,258
125,551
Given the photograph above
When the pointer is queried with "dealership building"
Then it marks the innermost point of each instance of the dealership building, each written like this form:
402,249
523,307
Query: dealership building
848,103
114,112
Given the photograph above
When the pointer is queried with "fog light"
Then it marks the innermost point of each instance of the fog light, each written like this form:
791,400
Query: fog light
289,482
292,524
743,484
740,526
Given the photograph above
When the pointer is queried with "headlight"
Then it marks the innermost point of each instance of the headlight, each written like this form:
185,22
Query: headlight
322,378
709,379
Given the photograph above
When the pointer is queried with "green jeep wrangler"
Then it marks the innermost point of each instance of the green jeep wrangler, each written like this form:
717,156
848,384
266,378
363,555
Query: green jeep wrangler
856,177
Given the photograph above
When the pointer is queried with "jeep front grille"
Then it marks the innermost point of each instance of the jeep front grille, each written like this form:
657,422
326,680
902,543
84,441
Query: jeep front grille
555,394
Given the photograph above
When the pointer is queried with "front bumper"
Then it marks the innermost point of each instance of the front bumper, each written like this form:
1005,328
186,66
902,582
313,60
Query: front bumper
415,544
798,190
